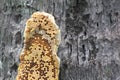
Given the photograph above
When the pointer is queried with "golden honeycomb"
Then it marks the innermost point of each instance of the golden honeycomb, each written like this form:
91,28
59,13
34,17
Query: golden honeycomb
38,59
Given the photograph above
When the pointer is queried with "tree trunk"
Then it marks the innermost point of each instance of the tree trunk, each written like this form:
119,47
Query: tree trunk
90,31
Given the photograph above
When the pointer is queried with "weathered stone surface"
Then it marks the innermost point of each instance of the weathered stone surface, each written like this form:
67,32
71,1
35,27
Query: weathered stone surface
90,29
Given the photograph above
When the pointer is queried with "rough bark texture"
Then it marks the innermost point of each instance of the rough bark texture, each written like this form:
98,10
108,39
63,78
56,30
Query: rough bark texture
90,31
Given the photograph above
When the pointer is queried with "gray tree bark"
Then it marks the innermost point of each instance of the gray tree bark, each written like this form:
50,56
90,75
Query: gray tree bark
90,31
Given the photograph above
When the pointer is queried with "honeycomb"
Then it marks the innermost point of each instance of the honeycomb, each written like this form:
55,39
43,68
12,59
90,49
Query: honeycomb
38,59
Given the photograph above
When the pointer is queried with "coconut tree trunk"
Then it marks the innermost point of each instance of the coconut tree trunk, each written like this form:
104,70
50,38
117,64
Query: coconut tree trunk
90,31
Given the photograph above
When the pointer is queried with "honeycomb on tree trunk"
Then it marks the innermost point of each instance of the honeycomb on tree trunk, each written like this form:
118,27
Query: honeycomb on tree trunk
38,59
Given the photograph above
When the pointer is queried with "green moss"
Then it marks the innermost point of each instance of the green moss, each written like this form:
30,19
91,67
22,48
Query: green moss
108,71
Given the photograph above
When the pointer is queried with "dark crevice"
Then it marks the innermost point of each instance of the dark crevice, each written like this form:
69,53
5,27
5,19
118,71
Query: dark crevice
17,18
83,58
84,52
97,24
18,38
64,65
31,7
83,49
85,33
53,9
110,17
86,17
94,50
69,49
14,67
